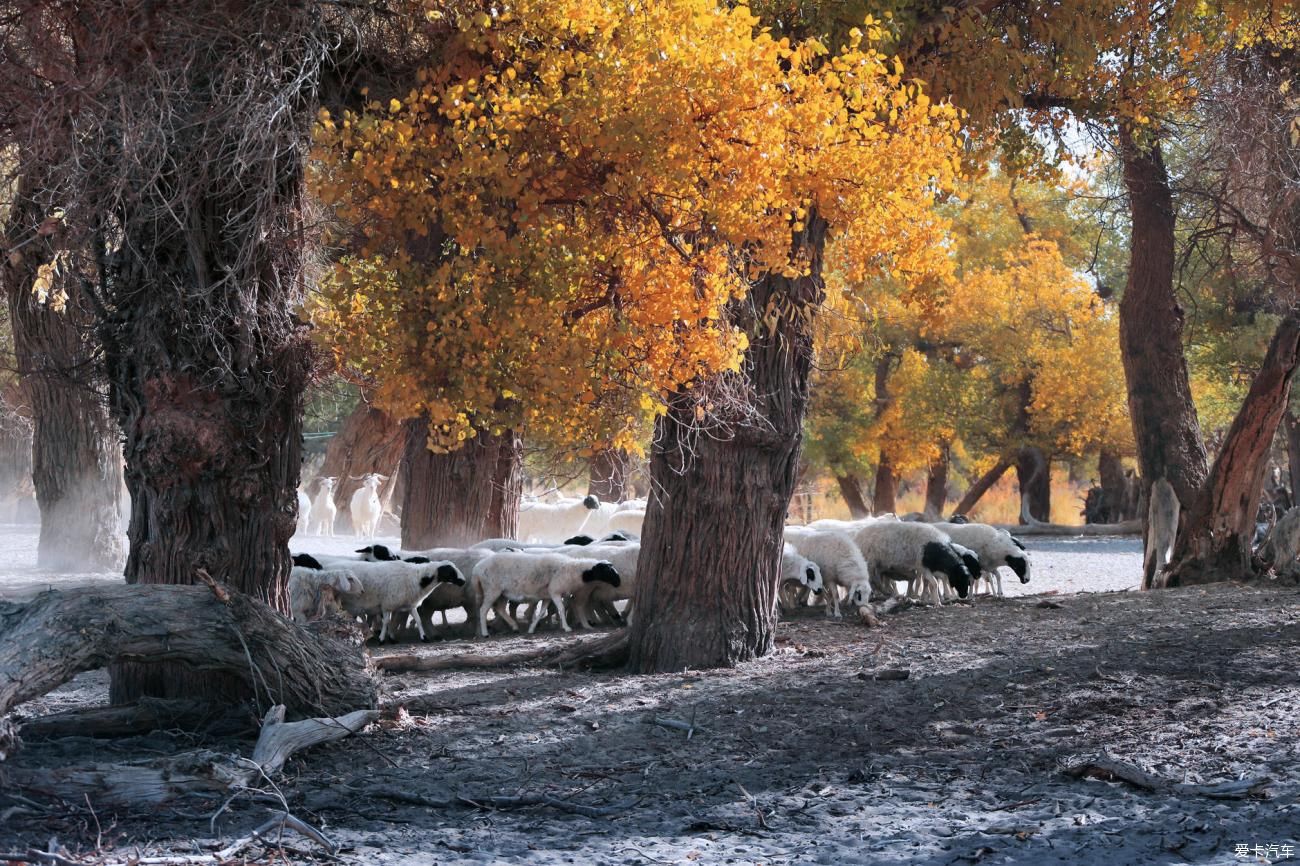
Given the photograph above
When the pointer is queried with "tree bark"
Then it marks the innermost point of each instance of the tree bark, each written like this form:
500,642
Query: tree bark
936,485
608,476
461,497
707,579
76,456
49,640
1115,496
1034,473
982,485
1168,435
851,491
1215,541
370,441
884,499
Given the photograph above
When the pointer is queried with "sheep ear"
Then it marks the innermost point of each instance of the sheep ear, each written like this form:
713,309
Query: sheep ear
449,573
367,549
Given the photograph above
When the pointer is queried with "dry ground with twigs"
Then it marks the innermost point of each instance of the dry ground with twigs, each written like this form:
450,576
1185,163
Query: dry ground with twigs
806,756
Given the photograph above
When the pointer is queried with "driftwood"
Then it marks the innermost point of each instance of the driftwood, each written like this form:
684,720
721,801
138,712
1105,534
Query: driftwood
201,772
57,635
1109,769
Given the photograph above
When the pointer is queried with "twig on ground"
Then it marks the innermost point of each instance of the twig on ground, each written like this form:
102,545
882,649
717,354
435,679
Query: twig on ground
676,725
1109,769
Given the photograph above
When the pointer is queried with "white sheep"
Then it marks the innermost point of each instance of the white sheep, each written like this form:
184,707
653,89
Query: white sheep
304,512
313,592
624,556
838,557
394,587
535,577
446,596
365,507
627,520
632,505
545,522
918,551
994,547
323,510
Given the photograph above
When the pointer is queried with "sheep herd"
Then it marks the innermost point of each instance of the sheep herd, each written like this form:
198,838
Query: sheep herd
576,559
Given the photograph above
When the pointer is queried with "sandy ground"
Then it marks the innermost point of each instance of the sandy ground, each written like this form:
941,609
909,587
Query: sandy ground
804,756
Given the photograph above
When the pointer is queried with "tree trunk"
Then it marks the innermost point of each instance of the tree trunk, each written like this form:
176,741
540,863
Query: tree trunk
707,579
76,458
1215,541
1168,435
370,441
463,496
609,475
936,486
851,491
1292,425
885,497
1034,473
1114,489
982,485
15,448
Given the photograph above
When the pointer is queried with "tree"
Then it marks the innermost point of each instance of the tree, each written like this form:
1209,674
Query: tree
76,456
188,197
580,263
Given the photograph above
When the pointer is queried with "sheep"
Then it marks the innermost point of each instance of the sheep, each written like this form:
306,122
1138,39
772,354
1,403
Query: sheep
918,550
628,520
365,507
632,505
839,559
598,521
390,587
304,513
313,591
535,577
1162,532
323,510
994,547
795,566
446,596
544,522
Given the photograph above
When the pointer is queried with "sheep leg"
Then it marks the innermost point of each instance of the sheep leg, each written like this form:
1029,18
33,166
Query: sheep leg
419,625
995,580
559,608
538,608
833,600
482,615
383,630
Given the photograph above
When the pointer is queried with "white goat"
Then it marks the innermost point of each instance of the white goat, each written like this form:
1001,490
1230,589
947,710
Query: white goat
365,508
535,577
323,510
839,559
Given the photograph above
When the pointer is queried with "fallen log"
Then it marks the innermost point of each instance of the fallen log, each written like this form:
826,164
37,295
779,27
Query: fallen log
145,785
604,652
316,670
149,714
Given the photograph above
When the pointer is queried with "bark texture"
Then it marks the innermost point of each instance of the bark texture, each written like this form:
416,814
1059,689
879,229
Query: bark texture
936,486
885,496
851,491
370,441
458,498
1034,473
76,455
1215,541
707,579
1292,425
1168,435
608,475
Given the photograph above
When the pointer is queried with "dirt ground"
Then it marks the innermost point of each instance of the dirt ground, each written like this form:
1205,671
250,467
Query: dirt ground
804,756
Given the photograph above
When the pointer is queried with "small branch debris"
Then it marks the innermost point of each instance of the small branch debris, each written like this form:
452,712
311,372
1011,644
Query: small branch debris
1109,769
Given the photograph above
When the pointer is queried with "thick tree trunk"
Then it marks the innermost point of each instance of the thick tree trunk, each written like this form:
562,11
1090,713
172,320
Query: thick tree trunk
463,496
884,499
936,486
370,441
1117,502
982,485
851,491
1215,542
608,475
707,579
76,457
1034,473
1165,426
